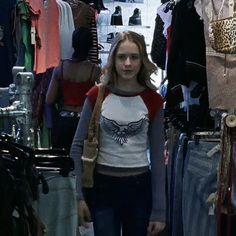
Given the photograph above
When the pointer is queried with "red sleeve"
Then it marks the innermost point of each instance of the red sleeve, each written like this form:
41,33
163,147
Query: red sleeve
153,101
93,93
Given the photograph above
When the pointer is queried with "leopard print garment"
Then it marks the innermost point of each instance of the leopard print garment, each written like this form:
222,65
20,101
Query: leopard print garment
222,35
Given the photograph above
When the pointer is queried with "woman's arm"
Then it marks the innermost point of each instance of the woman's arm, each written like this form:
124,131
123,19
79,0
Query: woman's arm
76,150
157,139
53,89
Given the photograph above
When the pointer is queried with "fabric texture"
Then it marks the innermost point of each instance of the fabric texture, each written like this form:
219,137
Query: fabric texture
66,24
216,62
58,208
158,51
200,180
47,45
121,200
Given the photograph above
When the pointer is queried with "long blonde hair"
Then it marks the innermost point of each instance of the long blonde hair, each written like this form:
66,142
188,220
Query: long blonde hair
147,67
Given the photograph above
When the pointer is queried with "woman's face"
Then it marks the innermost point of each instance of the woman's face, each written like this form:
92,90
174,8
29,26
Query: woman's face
127,61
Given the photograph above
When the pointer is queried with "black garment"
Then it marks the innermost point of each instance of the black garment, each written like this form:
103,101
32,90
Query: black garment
135,19
158,51
116,17
63,132
187,44
7,50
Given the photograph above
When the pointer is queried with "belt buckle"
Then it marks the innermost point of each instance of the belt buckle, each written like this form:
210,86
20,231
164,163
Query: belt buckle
63,114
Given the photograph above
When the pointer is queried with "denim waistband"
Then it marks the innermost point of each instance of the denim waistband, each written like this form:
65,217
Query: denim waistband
69,114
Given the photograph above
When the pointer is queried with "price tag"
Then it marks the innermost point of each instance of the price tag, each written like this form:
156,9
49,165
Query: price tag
33,32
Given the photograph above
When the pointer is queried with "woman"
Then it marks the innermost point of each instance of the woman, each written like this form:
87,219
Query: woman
70,81
129,190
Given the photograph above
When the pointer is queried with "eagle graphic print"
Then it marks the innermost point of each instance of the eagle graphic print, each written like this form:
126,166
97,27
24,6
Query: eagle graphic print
121,132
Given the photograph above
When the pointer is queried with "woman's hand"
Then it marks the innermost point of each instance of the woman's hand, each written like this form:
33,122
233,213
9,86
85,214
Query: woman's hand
83,213
155,227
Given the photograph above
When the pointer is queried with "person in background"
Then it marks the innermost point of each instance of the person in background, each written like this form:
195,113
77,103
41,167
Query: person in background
70,81
128,195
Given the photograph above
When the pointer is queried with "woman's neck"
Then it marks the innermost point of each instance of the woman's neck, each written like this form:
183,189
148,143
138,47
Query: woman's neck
129,86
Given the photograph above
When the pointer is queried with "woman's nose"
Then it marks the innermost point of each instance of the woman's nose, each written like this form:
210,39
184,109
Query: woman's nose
127,61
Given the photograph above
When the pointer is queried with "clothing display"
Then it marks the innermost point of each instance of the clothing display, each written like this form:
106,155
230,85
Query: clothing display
46,45
195,156
220,67
200,180
110,37
159,51
59,204
66,28
116,17
135,19
7,49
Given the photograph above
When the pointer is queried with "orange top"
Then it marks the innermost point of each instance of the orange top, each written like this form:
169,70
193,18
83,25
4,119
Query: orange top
46,22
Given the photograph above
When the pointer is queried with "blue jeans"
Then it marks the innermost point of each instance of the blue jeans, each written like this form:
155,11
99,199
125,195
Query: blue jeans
121,204
200,180
58,208
177,222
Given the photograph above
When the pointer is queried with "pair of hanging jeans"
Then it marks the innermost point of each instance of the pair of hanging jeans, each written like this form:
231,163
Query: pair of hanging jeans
58,208
121,204
177,222
200,180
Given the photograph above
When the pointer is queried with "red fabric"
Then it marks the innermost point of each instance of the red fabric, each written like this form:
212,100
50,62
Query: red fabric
74,93
152,99
93,93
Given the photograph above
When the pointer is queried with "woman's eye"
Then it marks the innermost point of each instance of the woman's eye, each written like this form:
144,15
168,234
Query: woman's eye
121,57
134,57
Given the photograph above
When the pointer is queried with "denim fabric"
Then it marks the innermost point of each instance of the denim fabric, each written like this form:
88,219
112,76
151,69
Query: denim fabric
58,208
121,204
200,180
173,148
177,223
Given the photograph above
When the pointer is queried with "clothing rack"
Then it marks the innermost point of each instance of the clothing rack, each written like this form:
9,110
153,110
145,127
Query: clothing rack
53,160
19,182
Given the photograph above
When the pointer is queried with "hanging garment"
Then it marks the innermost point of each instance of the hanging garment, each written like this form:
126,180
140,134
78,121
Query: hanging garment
158,51
45,34
221,88
66,28
25,50
187,43
199,181
19,188
84,16
7,49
